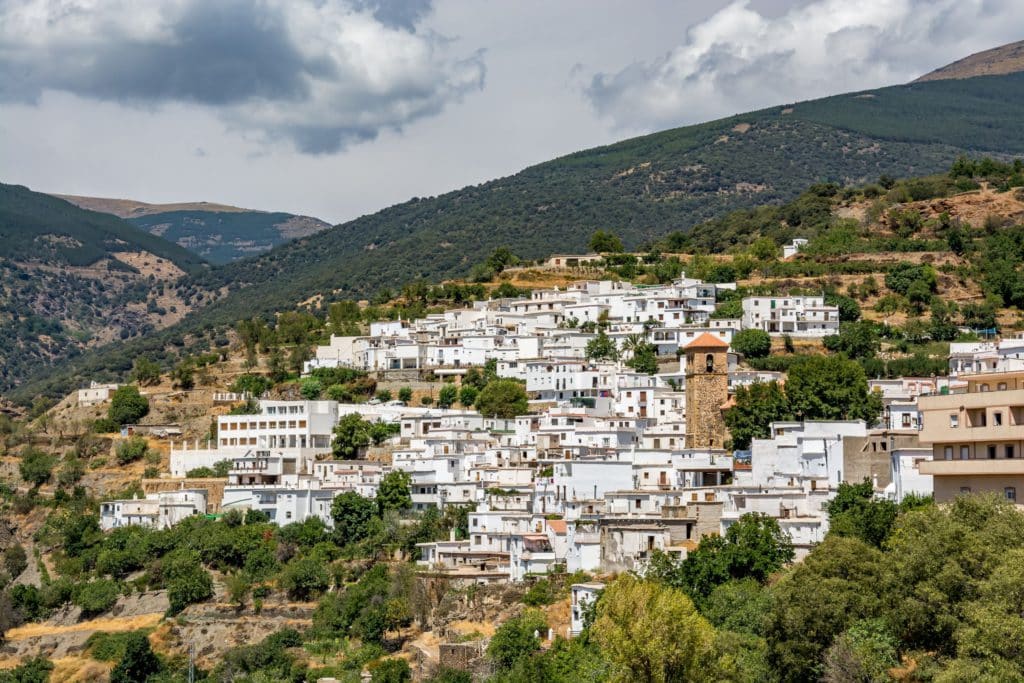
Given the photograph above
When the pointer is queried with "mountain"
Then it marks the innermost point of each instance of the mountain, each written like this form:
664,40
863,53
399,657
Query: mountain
1006,59
218,232
71,279
641,189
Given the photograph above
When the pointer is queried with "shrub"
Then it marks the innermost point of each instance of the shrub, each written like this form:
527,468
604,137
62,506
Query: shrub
541,593
304,578
127,406
131,450
752,343
96,596
36,467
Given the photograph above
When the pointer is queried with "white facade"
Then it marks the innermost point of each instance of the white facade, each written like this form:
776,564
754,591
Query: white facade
797,316
156,511
96,393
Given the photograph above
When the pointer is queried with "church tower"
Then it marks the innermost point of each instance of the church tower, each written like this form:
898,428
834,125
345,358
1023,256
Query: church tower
707,390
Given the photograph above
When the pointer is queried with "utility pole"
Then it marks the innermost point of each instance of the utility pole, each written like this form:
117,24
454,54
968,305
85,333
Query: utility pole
192,662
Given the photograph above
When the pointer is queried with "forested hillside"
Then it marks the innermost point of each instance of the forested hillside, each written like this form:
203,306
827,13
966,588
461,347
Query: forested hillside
224,237
71,279
219,233
640,189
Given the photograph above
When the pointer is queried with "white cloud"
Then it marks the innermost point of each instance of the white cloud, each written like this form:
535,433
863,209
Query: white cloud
740,59
321,74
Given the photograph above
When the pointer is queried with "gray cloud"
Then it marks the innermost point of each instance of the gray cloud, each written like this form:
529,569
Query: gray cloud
397,13
321,74
744,58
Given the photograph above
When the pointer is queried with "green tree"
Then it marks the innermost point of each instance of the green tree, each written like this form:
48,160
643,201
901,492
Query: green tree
352,514
254,385
183,375
138,662
831,388
652,633
602,347
393,493
305,578
132,449
501,258
187,581
752,343
856,512
864,652
756,407
392,670
849,309
310,388
764,249
15,560
604,242
127,406
96,597
405,395
515,639
36,467
145,371
645,359
351,436
856,340
504,398
447,395
468,394
833,588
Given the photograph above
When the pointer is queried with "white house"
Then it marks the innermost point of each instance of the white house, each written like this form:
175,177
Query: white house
156,511
96,393
797,316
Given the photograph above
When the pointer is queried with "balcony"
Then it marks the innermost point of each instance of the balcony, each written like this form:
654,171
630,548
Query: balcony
963,468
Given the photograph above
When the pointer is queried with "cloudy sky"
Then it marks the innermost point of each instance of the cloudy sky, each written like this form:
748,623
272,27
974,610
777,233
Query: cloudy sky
336,108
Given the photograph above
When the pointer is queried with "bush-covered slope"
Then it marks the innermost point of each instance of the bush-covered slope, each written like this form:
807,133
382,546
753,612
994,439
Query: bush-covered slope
640,189
71,279
41,228
222,237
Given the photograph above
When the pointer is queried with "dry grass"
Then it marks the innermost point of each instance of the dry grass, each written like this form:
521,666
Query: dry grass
109,624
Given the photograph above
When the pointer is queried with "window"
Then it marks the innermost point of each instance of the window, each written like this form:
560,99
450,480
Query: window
965,452
1008,451
1011,493
997,418
954,420
991,452
636,503
947,452
1001,386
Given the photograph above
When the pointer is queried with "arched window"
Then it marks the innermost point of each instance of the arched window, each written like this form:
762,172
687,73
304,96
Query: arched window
709,361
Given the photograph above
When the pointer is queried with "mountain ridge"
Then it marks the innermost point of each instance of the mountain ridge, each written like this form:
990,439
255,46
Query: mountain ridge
219,233
641,189
997,61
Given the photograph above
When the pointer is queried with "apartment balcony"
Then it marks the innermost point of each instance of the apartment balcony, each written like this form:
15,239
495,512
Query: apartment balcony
966,468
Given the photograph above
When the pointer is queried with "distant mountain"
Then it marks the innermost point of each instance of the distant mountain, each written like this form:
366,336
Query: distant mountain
640,189
218,232
71,279
998,61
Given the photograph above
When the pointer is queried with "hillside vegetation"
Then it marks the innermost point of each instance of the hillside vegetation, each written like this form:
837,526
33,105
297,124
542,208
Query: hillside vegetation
218,233
641,189
71,279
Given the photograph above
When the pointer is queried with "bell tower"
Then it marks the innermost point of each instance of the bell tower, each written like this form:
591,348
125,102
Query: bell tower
707,390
